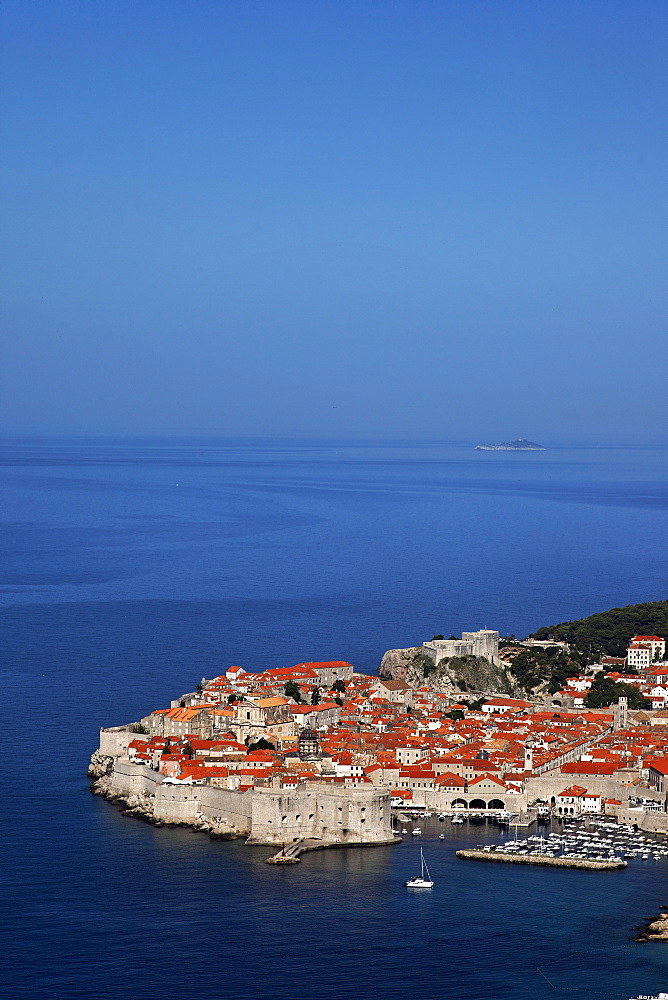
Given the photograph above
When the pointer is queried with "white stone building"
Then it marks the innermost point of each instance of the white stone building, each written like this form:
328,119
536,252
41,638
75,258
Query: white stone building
484,643
644,650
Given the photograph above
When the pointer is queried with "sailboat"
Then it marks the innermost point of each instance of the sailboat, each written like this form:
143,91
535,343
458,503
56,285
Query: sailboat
420,881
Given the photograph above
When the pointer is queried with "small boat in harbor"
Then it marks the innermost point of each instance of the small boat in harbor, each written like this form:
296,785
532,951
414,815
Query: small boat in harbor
456,820
417,832
423,880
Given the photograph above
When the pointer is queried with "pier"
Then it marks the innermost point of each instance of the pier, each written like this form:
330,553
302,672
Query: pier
541,859
287,855
291,854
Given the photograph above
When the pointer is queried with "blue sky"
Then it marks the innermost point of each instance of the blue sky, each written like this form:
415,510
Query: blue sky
363,219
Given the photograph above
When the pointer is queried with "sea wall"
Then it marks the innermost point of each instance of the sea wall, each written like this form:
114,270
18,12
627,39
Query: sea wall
649,822
550,784
328,813
321,812
143,789
441,800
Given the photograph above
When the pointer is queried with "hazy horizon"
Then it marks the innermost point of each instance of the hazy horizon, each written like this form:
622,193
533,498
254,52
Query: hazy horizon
363,221
218,440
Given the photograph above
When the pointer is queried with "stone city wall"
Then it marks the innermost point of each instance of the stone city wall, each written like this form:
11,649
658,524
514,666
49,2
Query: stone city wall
649,822
327,813
115,740
438,800
264,815
181,803
551,784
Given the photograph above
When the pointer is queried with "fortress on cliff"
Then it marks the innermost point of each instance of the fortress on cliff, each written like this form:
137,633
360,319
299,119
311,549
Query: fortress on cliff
484,643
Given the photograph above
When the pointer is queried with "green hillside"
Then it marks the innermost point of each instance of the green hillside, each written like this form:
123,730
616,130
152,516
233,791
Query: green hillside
607,633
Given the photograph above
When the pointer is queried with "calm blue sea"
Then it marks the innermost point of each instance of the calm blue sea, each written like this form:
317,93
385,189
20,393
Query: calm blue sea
130,569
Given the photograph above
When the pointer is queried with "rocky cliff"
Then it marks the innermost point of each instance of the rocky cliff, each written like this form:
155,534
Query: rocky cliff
101,765
455,675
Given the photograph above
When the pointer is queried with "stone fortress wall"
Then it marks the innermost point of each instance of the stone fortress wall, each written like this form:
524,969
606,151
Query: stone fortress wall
483,643
329,813
187,804
115,740
325,812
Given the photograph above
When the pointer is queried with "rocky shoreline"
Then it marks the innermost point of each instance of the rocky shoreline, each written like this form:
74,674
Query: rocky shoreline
100,770
654,929
227,814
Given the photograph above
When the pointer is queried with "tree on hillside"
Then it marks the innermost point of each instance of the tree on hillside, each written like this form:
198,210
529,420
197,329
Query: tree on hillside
292,690
315,696
608,632
533,667
338,686
605,692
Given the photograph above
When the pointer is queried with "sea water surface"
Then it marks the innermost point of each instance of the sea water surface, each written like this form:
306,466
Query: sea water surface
132,568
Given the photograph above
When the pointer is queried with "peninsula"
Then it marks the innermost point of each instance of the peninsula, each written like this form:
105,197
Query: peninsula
519,444
318,754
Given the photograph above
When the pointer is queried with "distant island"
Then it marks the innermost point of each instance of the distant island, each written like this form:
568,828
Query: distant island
519,444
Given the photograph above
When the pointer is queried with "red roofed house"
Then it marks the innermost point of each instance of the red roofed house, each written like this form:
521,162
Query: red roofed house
486,785
401,796
450,781
575,800
327,713
643,650
495,706
330,671
658,773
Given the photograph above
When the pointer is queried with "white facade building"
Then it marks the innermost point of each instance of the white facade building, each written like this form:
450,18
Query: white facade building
644,650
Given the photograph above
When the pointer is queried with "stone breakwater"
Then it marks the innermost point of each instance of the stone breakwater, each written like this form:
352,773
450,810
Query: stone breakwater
538,859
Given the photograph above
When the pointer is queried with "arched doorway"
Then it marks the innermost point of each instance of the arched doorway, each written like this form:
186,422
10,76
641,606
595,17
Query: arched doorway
458,804
496,804
477,804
